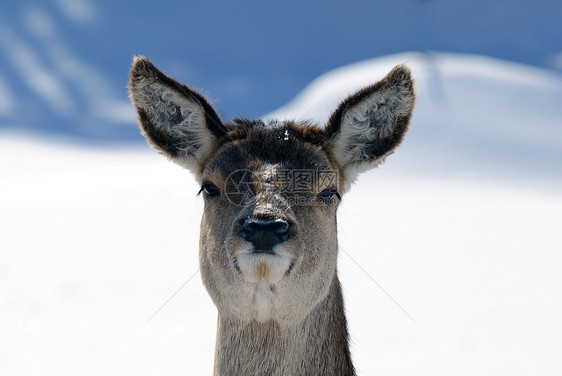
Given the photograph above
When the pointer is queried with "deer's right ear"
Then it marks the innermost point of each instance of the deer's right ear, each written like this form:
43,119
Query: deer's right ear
176,120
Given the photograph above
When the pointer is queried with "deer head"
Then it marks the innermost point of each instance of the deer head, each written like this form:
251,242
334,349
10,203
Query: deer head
268,244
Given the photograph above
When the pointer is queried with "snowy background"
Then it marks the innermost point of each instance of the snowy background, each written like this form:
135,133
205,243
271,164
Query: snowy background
461,227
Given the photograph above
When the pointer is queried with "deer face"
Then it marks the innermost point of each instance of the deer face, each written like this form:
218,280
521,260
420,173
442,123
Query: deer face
270,218
268,245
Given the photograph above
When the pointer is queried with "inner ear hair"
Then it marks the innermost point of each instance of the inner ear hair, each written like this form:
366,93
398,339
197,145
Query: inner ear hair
175,119
371,123
144,71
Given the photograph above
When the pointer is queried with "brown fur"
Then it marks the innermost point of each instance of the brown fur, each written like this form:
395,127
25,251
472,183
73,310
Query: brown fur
280,312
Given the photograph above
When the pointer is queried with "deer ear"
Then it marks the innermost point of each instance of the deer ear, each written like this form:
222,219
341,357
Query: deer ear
371,123
176,120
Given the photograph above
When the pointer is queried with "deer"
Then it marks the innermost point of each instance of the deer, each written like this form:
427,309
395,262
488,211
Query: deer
268,235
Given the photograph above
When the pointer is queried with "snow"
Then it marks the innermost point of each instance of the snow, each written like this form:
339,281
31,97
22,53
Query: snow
488,117
94,241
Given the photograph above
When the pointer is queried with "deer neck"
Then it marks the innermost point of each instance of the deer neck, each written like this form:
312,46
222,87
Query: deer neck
316,346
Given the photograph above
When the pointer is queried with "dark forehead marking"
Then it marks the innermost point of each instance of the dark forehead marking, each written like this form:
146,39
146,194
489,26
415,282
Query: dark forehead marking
297,145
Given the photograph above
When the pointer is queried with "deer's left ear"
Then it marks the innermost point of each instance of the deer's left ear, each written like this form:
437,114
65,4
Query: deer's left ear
371,123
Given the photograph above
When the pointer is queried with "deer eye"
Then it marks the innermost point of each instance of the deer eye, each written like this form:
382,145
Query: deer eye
327,195
210,190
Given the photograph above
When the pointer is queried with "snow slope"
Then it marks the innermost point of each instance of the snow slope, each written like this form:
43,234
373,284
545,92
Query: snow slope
94,241
475,115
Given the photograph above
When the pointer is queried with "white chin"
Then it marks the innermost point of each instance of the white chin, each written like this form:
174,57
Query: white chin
263,267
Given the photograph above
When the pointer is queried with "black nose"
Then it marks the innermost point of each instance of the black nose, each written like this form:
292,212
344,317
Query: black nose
264,234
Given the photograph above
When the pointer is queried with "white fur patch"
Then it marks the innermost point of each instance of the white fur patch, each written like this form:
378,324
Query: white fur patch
263,267
262,302
261,272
